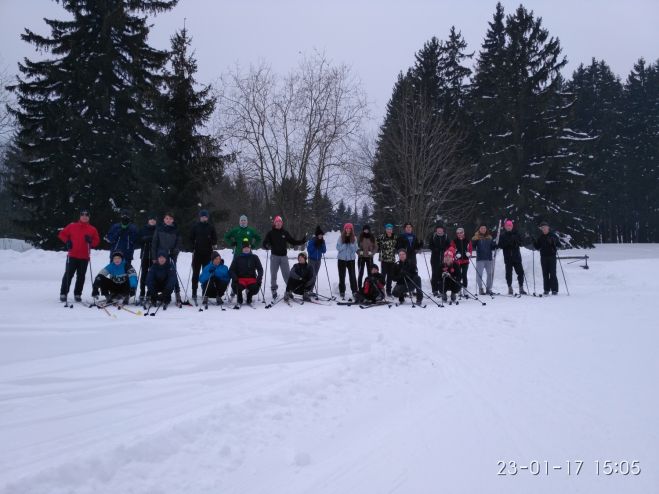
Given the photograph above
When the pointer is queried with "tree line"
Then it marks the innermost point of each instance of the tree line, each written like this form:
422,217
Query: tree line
108,122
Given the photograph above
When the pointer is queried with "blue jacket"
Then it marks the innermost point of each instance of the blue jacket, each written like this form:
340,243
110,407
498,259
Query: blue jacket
484,245
346,252
119,274
123,239
161,278
221,272
314,252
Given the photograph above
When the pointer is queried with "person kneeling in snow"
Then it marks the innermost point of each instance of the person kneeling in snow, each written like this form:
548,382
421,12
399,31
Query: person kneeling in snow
161,279
116,281
300,279
214,279
406,277
451,273
374,286
246,273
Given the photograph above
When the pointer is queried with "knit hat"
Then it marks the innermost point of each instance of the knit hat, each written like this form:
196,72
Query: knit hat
439,225
152,216
302,254
276,219
84,212
214,255
508,223
204,212
246,243
124,213
348,225
388,226
319,231
460,230
243,217
117,253
366,227
544,223
375,266
162,253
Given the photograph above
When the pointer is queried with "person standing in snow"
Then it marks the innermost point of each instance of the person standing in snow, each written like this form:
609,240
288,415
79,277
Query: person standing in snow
214,279
234,237
387,245
277,240
123,237
462,248
438,242
203,239
246,273
167,237
408,241
300,280
316,248
116,281
79,237
145,239
367,248
510,242
346,250
548,244
484,245
161,279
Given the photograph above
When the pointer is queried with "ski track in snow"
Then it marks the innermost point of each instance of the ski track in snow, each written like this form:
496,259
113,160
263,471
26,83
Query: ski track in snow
313,399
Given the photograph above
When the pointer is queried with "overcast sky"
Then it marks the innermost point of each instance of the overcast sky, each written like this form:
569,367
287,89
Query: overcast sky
378,38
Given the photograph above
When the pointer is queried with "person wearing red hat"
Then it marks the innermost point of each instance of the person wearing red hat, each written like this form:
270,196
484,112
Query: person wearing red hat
79,237
277,240
346,250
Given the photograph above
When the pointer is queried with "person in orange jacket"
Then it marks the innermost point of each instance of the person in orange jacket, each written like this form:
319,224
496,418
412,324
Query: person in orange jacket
79,237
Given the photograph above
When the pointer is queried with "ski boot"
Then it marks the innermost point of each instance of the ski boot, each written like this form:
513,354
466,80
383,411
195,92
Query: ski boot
453,297
274,294
522,291
435,294
481,291
62,297
218,300
306,297
204,301
288,296
510,290
444,297
179,302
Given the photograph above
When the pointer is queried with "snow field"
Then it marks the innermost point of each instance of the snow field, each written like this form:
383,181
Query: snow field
331,399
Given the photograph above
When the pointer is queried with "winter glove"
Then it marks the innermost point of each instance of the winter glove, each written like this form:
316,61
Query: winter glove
458,256
445,274
88,239
69,245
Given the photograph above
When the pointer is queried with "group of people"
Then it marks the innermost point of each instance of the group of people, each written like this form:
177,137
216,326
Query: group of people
160,244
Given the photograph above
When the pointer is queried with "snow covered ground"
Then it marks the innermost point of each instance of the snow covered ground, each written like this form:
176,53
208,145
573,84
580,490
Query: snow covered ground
313,399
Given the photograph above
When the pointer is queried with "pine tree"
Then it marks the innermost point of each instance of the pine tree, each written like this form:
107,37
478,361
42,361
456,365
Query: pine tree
597,95
193,159
528,168
641,151
87,116
453,77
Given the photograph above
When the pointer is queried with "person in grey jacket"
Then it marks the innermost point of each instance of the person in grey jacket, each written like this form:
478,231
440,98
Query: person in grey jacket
484,245
346,250
167,238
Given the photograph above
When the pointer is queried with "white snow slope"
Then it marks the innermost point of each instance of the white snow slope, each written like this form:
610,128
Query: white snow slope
313,399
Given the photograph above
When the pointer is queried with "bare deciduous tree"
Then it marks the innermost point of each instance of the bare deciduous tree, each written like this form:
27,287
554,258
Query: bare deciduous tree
292,135
422,177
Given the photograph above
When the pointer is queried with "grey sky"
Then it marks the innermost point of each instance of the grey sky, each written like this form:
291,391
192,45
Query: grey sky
377,38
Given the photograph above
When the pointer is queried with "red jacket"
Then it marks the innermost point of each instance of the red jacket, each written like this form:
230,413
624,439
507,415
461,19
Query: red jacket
462,247
75,232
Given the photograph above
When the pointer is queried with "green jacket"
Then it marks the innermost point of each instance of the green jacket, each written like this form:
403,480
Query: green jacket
234,238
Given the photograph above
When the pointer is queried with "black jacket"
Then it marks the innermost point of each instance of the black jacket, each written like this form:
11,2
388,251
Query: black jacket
301,276
203,237
145,237
278,240
246,266
404,270
411,247
167,238
161,278
510,242
547,244
438,245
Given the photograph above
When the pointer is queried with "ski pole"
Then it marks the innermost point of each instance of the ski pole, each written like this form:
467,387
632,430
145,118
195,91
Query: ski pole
328,278
496,251
427,296
564,279
480,277
139,277
203,297
409,292
265,275
187,302
427,268
534,294
91,271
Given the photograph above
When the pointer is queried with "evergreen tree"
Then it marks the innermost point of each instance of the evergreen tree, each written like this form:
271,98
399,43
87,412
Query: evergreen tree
341,215
87,115
453,77
640,139
528,168
193,159
597,95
